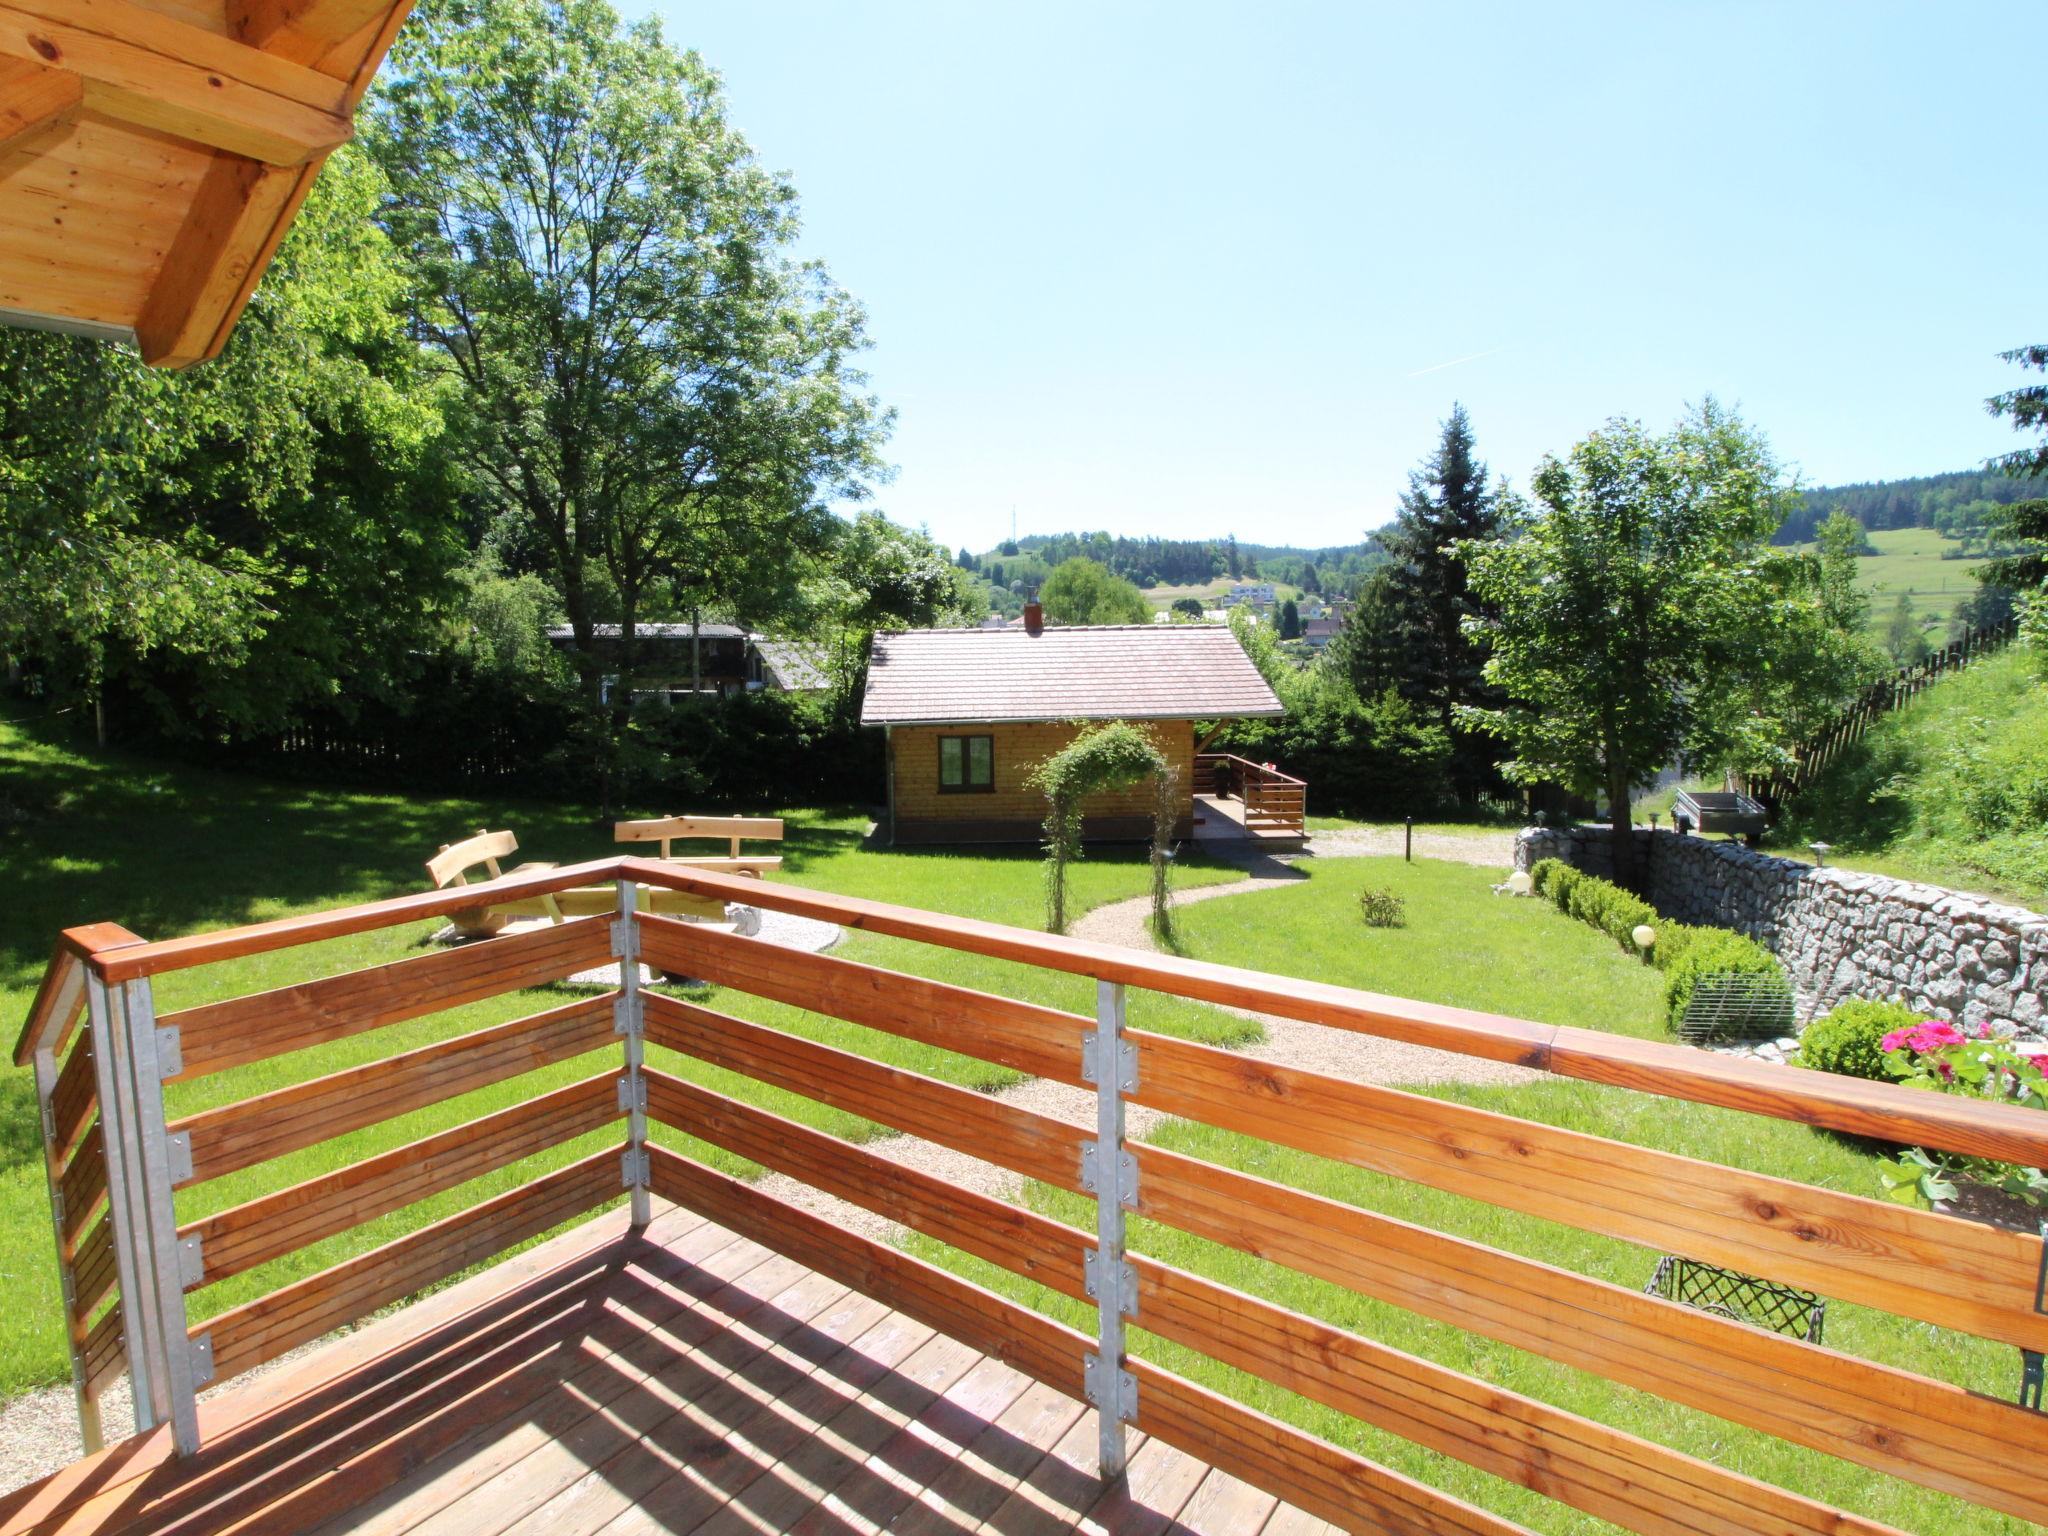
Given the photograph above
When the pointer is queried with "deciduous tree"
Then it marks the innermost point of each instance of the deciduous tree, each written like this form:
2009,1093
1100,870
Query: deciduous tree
647,379
1623,618
1082,591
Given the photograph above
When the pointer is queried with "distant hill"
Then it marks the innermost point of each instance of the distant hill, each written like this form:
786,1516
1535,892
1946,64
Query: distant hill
1950,502
1015,567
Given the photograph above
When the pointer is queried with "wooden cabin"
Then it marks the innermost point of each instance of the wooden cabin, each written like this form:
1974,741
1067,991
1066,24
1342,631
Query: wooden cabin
970,712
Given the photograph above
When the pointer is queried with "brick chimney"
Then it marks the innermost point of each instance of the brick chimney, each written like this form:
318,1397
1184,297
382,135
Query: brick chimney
1034,619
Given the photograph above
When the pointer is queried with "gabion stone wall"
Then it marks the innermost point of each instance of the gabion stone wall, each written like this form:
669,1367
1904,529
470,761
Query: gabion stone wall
1839,934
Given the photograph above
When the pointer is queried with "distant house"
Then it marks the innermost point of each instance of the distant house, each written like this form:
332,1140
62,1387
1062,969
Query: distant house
970,712
1258,593
677,660
1320,632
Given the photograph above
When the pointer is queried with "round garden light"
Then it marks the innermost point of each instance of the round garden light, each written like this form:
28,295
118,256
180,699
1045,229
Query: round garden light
1644,935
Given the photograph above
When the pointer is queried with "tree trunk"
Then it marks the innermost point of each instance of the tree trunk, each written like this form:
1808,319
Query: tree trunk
1623,834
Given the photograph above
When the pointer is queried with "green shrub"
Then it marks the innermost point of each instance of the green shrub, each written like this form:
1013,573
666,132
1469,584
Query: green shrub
1614,911
1847,1040
1563,881
1673,940
1713,952
1542,872
1381,907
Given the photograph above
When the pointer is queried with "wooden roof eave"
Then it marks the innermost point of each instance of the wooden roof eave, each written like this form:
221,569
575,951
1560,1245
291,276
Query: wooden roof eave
267,97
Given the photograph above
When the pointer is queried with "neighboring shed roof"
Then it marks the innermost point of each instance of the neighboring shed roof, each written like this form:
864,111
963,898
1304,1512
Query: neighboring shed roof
795,666
1110,672
562,634
153,153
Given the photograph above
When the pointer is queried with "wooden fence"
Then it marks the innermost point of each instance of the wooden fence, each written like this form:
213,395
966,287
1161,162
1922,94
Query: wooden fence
1888,694
117,1167
1275,803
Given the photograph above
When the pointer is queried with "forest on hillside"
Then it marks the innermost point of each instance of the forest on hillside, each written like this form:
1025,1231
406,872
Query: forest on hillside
1018,566
1955,503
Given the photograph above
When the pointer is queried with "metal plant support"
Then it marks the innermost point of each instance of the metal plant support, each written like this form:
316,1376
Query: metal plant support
1744,1298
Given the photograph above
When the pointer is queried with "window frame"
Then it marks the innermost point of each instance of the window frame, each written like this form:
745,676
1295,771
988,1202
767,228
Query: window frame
967,786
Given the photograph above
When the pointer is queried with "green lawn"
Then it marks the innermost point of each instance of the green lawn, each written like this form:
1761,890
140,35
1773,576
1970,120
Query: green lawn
167,850
1909,560
1460,944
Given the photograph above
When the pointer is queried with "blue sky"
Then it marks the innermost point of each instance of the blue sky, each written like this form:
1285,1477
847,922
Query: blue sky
1194,269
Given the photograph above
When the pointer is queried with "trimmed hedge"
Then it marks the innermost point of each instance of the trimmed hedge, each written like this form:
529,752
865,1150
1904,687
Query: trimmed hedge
1683,951
1614,911
1848,1041
1713,952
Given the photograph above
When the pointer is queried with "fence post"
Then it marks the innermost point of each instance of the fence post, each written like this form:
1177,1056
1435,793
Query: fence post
131,1059
629,1021
1110,1061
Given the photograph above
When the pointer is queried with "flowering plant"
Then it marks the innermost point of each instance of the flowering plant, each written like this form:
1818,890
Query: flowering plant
1938,1055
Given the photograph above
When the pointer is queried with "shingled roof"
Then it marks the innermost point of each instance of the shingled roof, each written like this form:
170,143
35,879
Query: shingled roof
1086,672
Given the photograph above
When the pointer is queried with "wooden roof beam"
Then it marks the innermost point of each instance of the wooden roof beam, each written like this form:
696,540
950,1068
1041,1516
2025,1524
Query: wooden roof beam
155,71
34,99
303,31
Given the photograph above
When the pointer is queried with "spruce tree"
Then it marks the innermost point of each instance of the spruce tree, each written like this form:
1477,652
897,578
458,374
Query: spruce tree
2022,526
1438,667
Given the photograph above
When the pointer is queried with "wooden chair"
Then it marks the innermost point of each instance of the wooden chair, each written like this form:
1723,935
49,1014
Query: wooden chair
670,830
453,864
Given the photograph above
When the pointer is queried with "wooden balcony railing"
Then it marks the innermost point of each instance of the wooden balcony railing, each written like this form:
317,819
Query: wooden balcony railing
1275,803
118,1166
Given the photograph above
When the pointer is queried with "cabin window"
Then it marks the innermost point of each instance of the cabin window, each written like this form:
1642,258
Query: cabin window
967,765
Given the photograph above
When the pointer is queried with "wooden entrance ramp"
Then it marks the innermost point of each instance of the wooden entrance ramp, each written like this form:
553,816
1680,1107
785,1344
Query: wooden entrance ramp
681,1379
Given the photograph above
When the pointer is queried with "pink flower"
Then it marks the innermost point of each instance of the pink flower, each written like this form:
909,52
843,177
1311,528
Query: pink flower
1983,1031
1933,1034
1897,1038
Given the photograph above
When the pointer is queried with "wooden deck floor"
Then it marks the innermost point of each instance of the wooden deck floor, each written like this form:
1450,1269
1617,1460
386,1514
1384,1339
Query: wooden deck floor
684,1381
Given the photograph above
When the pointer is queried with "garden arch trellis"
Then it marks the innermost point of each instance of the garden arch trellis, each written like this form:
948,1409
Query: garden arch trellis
1107,757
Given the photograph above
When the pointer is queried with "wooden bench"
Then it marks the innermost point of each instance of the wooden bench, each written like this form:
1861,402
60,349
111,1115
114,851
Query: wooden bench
454,864
670,830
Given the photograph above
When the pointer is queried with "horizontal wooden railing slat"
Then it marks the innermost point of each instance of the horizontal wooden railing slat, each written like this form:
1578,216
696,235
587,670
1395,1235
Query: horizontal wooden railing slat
1608,1473
83,1185
238,1135
93,1270
1603,1471
263,1329
1884,1110
1034,1344
1326,1481
1041,1041
1291,1465
137,959
1014,1238
104,1350
1887,1419
215,1036
273,1225
73,1103
1940,1269
1022,1241
1034,1145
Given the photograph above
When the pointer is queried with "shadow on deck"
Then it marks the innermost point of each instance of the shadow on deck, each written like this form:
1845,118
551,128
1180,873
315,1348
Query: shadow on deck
681,1380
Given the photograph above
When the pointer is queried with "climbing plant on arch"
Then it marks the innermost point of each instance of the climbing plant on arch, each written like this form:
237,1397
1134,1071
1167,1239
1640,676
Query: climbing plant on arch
1112,756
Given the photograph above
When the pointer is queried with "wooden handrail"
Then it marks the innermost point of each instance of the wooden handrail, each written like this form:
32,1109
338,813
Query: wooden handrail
1245,764
1885,1110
